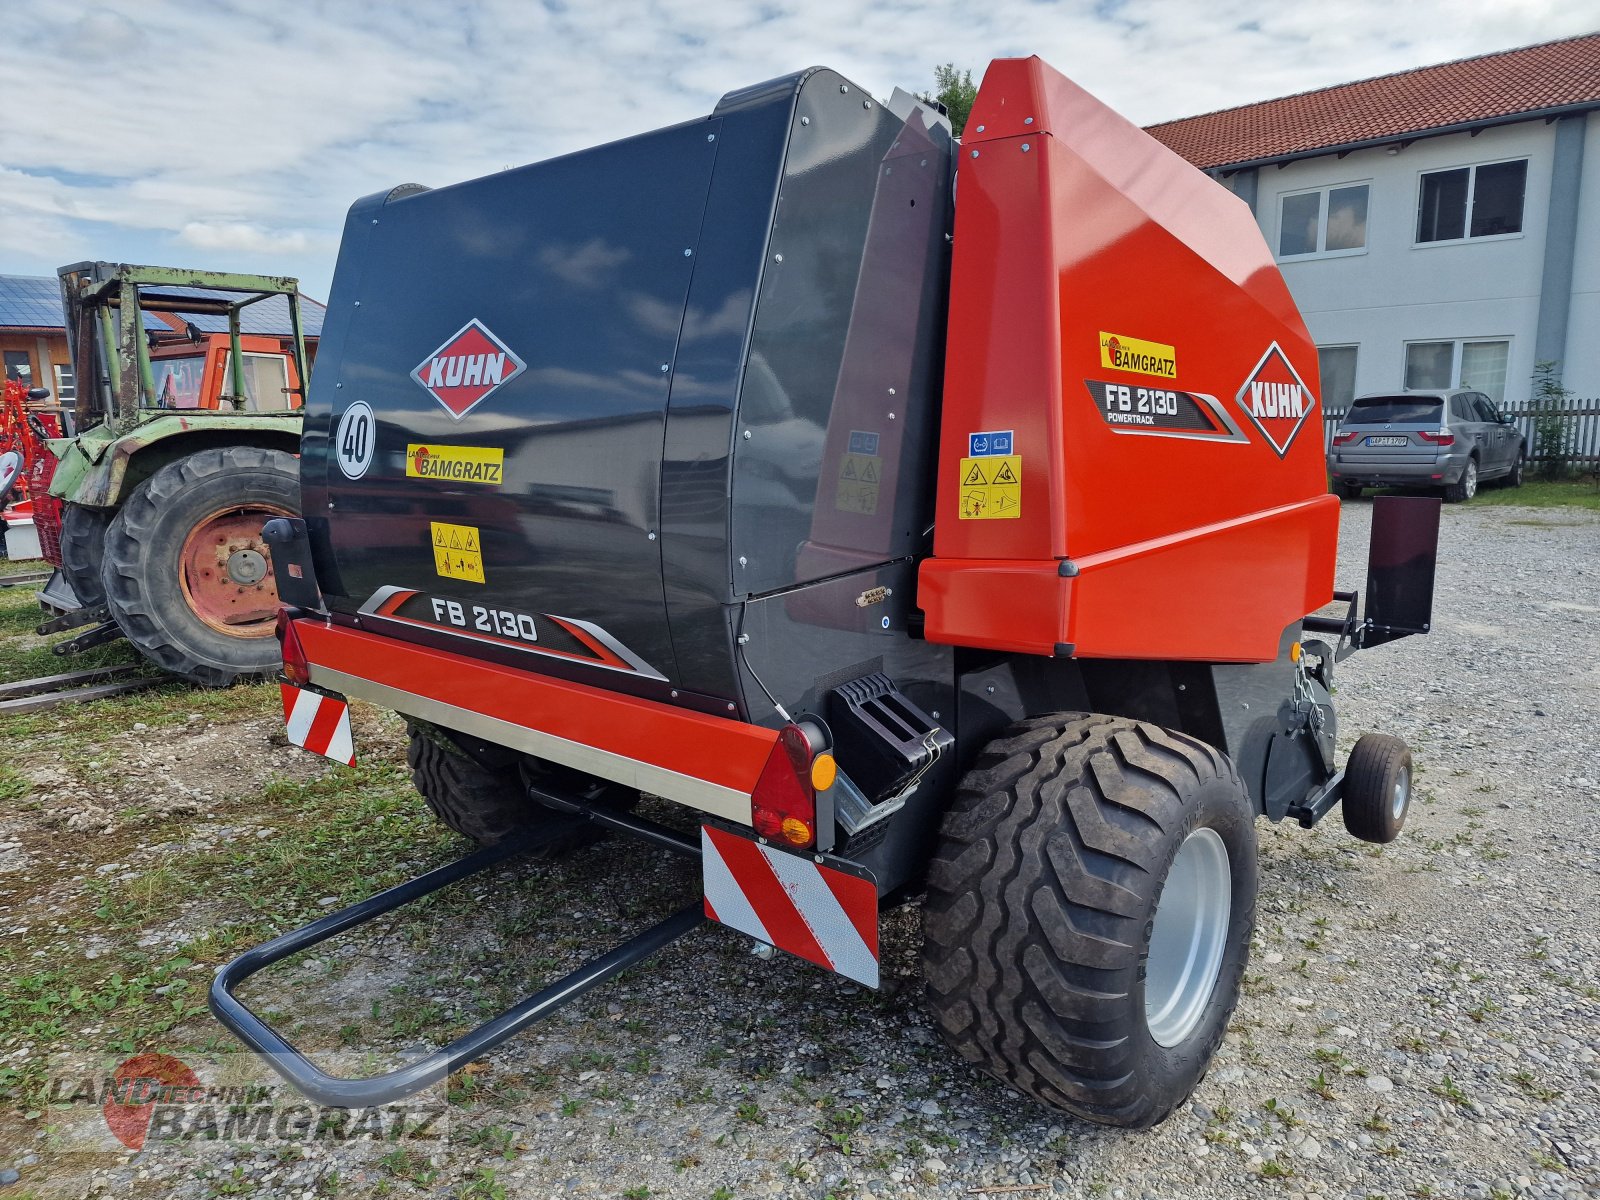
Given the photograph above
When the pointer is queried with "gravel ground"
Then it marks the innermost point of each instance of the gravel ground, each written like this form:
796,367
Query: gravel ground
1419,1019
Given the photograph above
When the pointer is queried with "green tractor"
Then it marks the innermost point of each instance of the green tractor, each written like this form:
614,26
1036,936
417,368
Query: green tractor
184,437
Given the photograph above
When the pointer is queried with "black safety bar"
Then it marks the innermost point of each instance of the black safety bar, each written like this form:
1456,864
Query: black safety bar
340,1092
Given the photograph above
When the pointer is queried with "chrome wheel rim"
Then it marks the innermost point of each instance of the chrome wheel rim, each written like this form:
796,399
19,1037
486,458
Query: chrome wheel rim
1189,933
1470,480
1402,793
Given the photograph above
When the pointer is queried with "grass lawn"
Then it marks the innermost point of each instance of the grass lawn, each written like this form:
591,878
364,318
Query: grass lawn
1539,493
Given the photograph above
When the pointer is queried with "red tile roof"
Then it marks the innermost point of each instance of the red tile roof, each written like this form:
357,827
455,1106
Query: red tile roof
1529,79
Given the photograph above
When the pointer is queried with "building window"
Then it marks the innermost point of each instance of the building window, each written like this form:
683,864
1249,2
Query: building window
1331,220
66,383
19,367
1480,365
1337,366
1481,201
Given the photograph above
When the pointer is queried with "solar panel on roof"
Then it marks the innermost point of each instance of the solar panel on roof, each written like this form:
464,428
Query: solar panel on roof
29,301
34,301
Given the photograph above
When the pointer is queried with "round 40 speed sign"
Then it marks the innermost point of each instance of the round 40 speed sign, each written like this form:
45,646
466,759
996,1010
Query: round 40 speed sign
355,442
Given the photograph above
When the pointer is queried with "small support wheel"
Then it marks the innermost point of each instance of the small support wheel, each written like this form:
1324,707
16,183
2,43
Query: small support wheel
1377,788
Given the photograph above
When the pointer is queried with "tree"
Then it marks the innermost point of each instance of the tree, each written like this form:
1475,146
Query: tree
1552,425
955,90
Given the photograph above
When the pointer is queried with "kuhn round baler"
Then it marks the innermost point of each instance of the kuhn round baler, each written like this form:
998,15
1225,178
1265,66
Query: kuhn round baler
917,518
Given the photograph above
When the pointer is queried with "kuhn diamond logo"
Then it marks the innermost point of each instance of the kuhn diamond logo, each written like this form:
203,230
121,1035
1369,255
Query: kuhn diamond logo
1277,400
471,365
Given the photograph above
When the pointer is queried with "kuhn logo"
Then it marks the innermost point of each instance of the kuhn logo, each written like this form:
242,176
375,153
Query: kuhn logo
1276,399
470,366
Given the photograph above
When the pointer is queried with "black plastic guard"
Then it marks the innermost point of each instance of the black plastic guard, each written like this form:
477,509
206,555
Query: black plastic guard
1401,559
290,549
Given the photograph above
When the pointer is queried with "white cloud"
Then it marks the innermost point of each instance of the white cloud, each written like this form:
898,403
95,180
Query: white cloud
242,235
246,129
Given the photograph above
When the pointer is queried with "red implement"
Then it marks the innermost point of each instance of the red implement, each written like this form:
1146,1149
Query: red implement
1131,451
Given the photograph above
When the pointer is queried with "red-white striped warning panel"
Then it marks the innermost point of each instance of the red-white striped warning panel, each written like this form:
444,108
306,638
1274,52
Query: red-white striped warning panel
811,910
319,723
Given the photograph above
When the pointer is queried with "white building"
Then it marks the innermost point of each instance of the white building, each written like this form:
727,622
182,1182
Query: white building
1439,227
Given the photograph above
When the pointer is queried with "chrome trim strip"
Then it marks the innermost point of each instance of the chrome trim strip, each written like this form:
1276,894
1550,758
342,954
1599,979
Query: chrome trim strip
1233,436
636,665
379,597
713,798
616,647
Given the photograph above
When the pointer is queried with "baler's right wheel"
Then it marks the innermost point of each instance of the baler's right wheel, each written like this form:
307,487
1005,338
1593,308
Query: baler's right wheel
484,803
1089,913
83,545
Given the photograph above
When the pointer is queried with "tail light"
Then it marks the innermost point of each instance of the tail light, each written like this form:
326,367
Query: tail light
1344,439
1443,438
784,805
296,667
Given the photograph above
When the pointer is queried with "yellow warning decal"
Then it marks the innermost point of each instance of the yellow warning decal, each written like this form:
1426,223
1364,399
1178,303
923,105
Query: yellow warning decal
991,487
859,477
455,464
1122,353
457,551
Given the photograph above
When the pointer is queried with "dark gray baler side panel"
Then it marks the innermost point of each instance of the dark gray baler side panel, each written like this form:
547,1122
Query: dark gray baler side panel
640,287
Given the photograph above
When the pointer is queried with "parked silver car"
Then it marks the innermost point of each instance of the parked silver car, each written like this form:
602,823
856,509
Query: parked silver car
1452,440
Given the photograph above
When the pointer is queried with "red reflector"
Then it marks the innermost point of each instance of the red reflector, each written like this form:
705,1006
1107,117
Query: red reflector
783,807
1443,438
296,668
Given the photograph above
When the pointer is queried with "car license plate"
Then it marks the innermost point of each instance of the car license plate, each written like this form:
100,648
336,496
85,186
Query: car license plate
1388,441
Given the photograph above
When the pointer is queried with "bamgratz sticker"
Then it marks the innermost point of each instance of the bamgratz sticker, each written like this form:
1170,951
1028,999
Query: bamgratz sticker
455,464
1118,352
467,368
1277,401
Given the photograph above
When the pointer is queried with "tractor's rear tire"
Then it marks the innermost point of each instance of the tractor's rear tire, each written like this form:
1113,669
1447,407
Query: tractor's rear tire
1377,788
486,803
1050,961
186,573
83,540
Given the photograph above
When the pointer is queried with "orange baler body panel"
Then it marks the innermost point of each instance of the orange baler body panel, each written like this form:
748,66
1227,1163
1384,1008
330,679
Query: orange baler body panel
1118,315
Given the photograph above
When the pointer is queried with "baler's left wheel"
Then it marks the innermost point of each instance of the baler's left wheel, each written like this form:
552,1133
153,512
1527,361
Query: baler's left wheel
186,573
486,798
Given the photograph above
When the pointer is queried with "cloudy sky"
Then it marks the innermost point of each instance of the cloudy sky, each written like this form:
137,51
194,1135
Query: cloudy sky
233,136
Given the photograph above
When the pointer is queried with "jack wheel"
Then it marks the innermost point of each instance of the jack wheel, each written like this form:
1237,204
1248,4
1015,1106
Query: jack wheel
1089,914
1377,788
